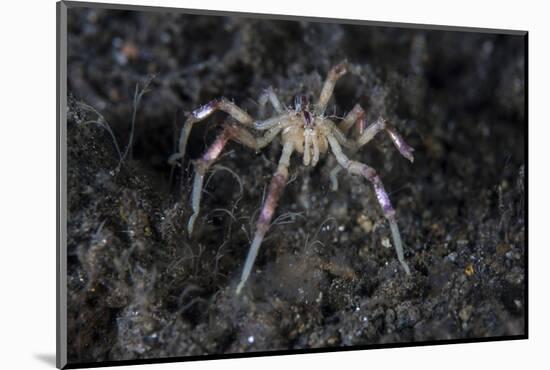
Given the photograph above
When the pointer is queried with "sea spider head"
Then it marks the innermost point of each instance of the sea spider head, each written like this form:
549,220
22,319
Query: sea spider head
301,107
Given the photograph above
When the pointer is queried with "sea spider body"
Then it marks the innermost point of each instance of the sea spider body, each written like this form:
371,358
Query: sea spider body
306,130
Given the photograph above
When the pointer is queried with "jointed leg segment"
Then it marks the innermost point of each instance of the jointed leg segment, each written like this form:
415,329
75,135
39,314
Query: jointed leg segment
276,187
230,132
204,112
370,174
334,74
201,167
357,116
269,95
212,153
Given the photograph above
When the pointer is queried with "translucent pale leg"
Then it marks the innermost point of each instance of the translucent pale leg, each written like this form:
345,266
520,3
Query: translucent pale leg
334,178
334,74
370,174
204,112
202,165
271,122
396,236
381,124
269,95
276,187
357,116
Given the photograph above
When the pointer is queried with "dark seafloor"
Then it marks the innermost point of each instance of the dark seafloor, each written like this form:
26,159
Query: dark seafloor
140,287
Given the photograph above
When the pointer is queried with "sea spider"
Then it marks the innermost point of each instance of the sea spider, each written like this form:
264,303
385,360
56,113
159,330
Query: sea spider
306,130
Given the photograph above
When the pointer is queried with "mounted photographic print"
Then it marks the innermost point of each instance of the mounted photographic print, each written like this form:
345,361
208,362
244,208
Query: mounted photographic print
236,184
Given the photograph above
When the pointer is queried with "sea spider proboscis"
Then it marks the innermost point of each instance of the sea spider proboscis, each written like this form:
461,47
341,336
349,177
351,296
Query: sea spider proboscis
305,129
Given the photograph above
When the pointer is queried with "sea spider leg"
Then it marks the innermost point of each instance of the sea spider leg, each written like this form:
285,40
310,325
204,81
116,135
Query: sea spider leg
204,112
334,74
201,167
270,122
334,177
276,187
379,125
244,137
357,115
202,164
269,95
370,174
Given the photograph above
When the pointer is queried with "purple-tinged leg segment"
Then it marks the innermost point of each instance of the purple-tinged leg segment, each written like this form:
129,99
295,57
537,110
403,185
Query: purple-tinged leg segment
197,115
384,200
381,124
276,187
404,148
201,166
334,74
204,112
381,195
370,174
357,116
216,147
230,132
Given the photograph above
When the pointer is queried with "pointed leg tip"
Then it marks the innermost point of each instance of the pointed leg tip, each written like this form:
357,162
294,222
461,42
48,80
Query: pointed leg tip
191,224
406,151
173,159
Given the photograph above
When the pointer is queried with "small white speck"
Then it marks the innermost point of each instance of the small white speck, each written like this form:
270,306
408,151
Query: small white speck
250,339
341,228
117,42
